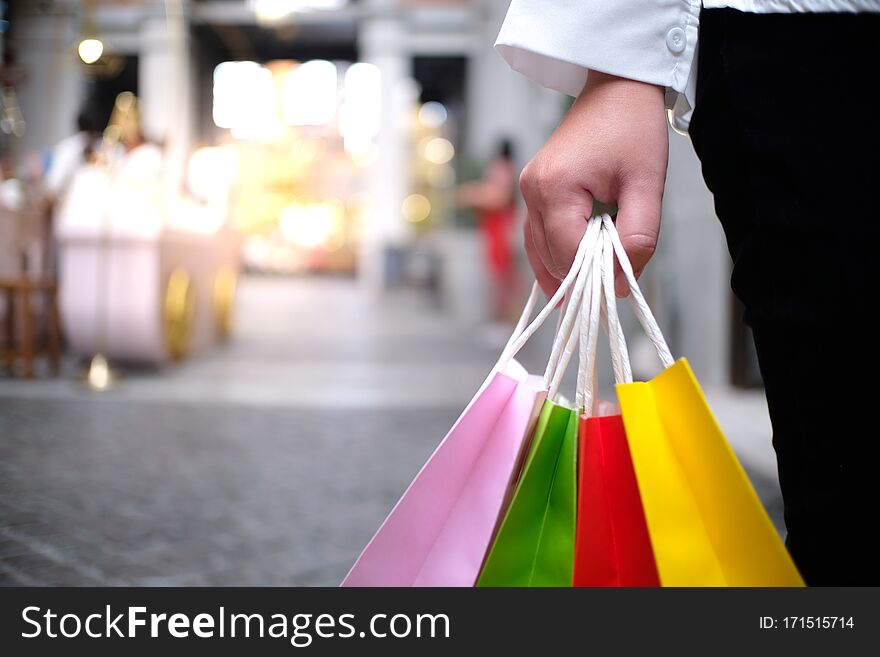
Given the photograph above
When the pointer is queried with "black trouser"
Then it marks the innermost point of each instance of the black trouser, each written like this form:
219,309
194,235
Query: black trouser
789,143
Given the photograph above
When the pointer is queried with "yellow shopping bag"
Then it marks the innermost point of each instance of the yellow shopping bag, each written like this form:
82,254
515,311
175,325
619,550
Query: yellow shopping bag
707,525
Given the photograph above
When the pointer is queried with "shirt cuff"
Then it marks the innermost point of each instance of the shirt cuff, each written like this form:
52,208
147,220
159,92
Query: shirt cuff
557,42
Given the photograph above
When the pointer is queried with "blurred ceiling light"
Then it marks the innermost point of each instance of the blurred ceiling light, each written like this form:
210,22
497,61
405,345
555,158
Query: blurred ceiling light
245,101
432,114
416,208
439,150
309,93
90,50
360,116
274,10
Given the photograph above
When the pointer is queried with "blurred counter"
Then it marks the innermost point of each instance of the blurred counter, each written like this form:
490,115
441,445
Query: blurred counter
143,276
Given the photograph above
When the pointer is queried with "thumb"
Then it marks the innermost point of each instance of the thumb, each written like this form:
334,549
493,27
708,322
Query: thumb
638,223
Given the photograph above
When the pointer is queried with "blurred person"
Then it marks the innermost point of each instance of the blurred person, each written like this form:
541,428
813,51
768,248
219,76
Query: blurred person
68,155
122,188
140,160
66,160
493,198
784,122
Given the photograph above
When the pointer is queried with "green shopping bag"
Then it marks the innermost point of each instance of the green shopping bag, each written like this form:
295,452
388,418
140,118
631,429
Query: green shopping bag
534,545
535,542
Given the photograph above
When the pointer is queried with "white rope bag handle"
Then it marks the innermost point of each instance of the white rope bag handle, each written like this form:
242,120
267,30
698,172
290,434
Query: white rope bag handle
569,328
522,322
523,332
616,339
637,299
600,312
601,309
566,334
589,300
589,336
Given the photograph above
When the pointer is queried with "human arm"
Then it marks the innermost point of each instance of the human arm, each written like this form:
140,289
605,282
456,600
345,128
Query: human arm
626,61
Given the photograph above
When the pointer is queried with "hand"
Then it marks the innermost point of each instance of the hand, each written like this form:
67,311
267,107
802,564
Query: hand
613,146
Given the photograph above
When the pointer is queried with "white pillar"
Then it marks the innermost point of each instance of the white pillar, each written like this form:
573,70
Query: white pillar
380,42
502,103
53,93
165,87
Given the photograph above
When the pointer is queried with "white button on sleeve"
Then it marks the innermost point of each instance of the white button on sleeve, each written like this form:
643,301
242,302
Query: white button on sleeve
676,40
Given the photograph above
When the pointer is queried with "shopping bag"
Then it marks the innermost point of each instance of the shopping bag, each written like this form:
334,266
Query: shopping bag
706,524
535,543
439,531
612,545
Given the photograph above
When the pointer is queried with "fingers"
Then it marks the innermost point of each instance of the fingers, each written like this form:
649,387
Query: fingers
557,212
564,227
638,223
535,230
548,283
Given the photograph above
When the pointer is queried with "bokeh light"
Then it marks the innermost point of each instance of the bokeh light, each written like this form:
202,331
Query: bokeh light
416,208
360,116
439,150
308,93
245,101
90,50
432,114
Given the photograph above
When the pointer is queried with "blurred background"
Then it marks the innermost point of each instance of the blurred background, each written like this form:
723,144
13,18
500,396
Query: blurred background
255,257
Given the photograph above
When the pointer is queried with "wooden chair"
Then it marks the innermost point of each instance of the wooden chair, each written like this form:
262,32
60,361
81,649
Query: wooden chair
23,317
28,292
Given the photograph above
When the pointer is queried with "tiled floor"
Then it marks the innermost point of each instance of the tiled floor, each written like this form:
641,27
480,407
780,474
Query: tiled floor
269,461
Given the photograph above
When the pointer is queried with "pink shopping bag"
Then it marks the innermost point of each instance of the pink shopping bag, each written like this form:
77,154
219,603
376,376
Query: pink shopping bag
439,531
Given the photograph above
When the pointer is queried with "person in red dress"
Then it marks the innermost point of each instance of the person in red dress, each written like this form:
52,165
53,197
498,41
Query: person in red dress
493,198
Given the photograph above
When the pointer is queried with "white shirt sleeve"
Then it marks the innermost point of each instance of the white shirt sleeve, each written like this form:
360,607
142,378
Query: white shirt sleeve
557,42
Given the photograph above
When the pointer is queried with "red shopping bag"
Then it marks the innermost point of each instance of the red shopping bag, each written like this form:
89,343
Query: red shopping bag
612,545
